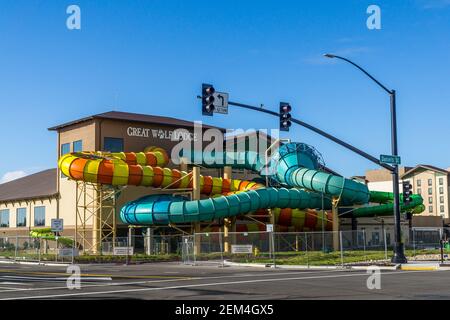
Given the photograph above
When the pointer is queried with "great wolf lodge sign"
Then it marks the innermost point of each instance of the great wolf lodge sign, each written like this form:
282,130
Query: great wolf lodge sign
162,134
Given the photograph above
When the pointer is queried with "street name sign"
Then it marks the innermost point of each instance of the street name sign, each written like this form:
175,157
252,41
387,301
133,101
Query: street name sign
388,159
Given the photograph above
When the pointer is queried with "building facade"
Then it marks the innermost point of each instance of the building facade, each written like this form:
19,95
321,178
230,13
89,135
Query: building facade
27,203
433,184
79,204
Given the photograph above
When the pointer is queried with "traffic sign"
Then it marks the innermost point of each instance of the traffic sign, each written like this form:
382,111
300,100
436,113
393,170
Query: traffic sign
269,227
220,102
57,225
388,159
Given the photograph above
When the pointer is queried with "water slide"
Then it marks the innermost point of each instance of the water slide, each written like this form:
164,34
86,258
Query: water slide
294,171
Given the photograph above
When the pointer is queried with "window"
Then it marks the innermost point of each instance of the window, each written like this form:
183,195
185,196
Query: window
419,191
21,217
430,209
441,199
430,199
430,190
441,181
430,182
77,146
442,209
4,218
375,238
113,144
419,182
65,148
39,216
441,190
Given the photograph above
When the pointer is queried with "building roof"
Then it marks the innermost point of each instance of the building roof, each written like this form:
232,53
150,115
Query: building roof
426,167
136,117
379,175
35,186
258,133
359,178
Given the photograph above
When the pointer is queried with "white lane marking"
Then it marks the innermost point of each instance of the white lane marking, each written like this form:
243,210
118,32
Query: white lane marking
15,283
181,279
171,280
204,285
56,278
90,285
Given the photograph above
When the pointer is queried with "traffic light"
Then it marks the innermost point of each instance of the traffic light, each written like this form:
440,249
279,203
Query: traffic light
285,116
407,192
208,99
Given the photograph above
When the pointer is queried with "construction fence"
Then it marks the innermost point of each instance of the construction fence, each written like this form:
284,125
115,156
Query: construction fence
299,248
23,248
307,248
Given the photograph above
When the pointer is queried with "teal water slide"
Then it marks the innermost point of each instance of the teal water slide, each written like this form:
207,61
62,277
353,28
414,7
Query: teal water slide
298,183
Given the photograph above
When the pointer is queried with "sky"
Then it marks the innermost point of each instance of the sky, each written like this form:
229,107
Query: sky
152,57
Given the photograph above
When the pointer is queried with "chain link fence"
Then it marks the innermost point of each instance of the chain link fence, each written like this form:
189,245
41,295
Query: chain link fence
338,248
24,248
217,248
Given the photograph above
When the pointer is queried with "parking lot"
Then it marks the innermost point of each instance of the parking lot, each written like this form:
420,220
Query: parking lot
175,281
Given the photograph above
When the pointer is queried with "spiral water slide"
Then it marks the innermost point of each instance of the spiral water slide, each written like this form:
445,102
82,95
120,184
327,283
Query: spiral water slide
294,169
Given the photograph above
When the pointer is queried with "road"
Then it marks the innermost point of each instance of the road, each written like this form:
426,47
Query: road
179,282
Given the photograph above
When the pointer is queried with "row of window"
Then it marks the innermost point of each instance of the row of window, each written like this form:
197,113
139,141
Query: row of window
441,199
77,146
430,182
430,190
109,144
441,209
21,217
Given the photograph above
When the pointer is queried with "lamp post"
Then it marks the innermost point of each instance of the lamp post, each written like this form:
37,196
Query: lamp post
399,253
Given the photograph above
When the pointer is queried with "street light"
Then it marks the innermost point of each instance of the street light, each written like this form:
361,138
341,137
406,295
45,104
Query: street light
399,253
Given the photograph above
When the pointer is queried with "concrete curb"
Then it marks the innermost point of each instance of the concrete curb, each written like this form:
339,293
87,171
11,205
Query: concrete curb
303,267
237,264
47,264
389,268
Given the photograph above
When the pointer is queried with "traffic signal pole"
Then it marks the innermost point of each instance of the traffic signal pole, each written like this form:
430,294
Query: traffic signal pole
399,252
320,132
399,255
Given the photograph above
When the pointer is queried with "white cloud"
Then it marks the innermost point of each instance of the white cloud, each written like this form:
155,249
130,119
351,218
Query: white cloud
12,175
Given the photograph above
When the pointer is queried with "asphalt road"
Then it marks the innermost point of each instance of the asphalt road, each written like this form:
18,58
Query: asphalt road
180,282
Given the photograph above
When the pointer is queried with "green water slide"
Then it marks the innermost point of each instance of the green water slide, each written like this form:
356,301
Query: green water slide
295,170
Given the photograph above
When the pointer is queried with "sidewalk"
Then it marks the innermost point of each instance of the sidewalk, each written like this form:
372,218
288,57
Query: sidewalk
411,266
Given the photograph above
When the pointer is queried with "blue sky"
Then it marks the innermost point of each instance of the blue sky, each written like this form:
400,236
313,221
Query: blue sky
152,56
